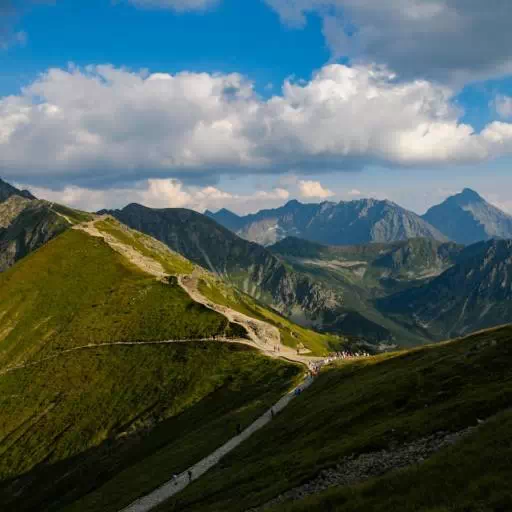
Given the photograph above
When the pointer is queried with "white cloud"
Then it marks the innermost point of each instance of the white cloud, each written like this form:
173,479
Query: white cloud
503,105
176,5
106,125
354,192
309,188
441,39
161,193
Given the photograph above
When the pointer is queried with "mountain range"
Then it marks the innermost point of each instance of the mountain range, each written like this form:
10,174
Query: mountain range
136,342
463,218
382,292
247,265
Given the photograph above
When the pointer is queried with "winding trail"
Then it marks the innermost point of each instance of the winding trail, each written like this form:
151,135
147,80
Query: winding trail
175,485
261,335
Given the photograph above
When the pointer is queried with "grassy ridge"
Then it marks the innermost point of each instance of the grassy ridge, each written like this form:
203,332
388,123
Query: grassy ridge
171,262
76,290
360,407
142,412
291,334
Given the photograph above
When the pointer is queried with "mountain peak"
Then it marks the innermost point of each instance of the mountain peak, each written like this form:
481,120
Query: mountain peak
292,203
469,194
467,218
7,190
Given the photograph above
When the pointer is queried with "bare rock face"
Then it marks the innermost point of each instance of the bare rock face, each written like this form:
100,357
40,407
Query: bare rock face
343,223
7,190
25,225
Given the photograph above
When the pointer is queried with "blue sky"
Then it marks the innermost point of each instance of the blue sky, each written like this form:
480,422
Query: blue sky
403,100
245,37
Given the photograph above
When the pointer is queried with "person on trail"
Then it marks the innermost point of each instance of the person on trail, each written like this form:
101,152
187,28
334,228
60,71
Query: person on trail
189,473
238,429
175,479
272,413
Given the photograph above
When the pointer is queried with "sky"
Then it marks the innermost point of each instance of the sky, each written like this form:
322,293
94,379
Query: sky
248,104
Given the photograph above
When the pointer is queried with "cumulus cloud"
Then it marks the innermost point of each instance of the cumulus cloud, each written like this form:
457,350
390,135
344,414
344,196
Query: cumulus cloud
354,192
161,193
176,5
310,188
503,106
442,39
104,124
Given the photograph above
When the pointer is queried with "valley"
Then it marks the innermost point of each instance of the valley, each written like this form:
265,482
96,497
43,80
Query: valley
125,359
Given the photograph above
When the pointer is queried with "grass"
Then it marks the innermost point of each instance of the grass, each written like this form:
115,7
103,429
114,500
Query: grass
75,216
291,334
76,290
475,476
100,427
360,407
172,262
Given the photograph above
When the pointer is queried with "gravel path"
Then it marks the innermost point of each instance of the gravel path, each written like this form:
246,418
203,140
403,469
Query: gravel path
182,480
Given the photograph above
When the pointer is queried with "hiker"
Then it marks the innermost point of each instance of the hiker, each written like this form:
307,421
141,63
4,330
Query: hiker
189,472
175,479
272,413
238,429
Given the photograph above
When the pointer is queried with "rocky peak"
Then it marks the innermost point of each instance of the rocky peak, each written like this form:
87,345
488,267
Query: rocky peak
7,190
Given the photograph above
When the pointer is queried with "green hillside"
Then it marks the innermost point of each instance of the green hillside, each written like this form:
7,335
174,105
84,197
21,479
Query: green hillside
475,476
75,414
367,405
134,413
76,290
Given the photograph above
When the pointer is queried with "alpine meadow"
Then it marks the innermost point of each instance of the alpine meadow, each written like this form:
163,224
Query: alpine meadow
255,256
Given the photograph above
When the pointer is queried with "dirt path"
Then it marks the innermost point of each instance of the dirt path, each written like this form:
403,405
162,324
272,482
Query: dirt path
263,336
117,344
175,485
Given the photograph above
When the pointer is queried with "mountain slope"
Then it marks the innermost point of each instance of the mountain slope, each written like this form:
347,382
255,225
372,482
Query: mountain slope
467,218
362,273
90,384
247,265
473,294
77,290
368,410
7,190
343,223
26,225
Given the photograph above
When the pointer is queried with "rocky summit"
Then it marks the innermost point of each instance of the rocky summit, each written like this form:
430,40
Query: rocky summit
468,218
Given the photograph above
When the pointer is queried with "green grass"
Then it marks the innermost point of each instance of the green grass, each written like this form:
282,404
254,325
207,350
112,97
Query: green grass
360,407
76,216
291,334
475,476
171,262
76,290
106,425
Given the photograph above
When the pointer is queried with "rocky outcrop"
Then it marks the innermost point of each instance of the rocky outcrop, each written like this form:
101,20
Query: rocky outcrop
7,191
26,225
355,469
